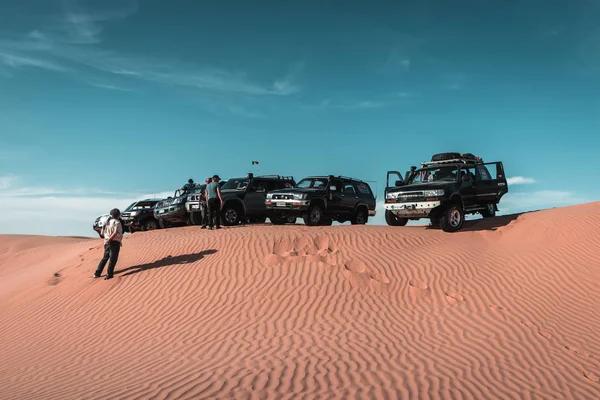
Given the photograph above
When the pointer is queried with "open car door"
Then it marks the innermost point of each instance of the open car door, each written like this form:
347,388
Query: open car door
398,181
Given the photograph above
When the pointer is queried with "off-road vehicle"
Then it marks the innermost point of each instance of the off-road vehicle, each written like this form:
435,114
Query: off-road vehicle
139,216
194,206
171,211
320,200
444,190
244,198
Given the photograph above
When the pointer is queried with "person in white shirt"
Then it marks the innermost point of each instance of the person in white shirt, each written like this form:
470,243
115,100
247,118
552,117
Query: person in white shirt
112,232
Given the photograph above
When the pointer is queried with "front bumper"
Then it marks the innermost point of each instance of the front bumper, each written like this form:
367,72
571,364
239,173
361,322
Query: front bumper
287,206
193,206
171,213
412,209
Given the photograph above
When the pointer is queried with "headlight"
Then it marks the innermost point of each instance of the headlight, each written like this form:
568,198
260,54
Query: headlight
134,213
391,195
269,195
178,201
299,196
430,193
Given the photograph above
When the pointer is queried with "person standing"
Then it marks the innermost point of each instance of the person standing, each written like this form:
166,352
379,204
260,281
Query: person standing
214,199
204,204
112,232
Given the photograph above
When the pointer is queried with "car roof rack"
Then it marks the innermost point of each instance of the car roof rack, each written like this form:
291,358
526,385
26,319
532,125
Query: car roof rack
454,161
291,178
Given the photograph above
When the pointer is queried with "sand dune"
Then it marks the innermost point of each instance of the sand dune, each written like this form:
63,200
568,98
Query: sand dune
506,308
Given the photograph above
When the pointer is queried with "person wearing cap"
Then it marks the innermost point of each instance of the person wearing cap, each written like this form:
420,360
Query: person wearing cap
112,232
204,204
214,199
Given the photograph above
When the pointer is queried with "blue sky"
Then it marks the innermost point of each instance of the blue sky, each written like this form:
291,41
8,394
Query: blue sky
102,102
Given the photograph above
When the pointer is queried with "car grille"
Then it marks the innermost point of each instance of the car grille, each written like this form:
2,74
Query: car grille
194,197
411,196
283,197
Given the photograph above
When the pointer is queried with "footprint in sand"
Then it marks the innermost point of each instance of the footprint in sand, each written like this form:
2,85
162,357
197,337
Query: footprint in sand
55,280
454,298
418,289
579,352
544,333
358,267
591,376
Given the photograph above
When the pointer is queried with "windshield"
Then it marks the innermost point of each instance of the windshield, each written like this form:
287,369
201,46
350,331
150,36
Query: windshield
435,174
236,184
313,183
142,205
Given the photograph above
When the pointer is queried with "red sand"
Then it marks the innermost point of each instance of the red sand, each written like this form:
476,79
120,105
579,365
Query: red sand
293,311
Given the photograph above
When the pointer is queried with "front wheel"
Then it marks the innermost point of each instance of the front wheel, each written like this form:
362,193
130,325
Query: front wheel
314,216
231,216
150,225
452,218
162,224
489,211
392,220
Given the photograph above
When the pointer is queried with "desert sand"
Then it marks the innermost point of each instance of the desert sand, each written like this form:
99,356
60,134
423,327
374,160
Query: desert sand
506,308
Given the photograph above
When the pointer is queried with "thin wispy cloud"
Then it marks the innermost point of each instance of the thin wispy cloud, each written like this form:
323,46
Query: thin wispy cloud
519,180
72,45
110,87
5,182
19,61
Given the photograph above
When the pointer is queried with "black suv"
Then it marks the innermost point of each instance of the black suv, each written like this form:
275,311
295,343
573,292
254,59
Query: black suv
244,198
320,200
171,211
444,190
139,216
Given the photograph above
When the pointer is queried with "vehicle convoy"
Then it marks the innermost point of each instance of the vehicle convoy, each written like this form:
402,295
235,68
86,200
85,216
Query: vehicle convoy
171,211
244,198
194,206
139,216
320,200
444,190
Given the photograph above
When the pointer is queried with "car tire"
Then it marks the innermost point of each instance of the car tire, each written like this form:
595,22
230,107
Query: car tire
231,215
150,225
393,220
314,216
445,156
489,212
361,217
162,224
452,218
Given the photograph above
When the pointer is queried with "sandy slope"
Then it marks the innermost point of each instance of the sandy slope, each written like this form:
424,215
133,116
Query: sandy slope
504,309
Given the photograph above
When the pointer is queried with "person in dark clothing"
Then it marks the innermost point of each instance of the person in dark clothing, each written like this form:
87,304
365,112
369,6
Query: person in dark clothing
214,199
204,205
190,186
112,232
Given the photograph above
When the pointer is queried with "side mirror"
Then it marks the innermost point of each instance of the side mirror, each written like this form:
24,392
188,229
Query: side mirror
399,183
333,188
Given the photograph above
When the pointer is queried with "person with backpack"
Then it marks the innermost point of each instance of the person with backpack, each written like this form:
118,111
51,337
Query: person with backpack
112,232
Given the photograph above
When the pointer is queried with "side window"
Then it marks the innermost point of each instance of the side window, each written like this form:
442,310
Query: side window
337,184
259,186
349,189
467,172
485,174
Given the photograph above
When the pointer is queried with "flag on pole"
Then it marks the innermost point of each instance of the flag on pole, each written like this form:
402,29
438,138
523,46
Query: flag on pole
254,162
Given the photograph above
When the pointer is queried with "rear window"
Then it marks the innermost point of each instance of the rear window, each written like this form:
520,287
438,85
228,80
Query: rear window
363,188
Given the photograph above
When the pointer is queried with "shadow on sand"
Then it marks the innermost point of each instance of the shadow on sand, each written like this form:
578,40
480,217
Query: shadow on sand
486,224
166,262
